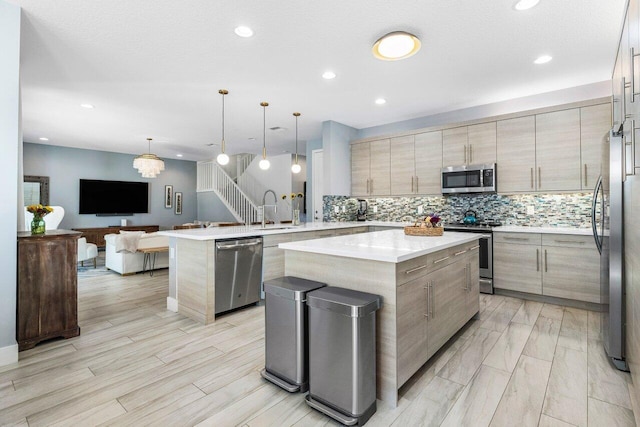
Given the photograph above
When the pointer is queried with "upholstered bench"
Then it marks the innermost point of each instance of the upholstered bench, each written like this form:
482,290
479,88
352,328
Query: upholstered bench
133,262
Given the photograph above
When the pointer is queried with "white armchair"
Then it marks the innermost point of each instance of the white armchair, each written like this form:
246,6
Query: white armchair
51,221
87,251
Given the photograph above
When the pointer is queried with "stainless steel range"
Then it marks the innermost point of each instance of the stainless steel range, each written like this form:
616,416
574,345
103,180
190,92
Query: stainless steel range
486,249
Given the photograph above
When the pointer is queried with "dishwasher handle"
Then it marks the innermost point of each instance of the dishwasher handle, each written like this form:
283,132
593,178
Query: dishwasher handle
231,247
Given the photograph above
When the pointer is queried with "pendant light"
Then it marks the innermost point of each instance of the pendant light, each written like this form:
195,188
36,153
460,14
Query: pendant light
296,168
149,165
264,163
222,158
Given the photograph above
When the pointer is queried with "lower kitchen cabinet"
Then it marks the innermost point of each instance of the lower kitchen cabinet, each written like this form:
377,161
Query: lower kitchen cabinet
555,265
432,308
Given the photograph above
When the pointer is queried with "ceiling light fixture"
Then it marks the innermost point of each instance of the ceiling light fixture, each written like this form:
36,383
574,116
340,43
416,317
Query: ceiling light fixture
543,59
149,165
328,75
296,168
178,155
89,106
243,31
395,46
222,158
264,163
381,101
525,4
44,139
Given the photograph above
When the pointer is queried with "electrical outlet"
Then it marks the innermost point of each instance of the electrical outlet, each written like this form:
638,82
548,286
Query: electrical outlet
375,209
531,210
344,208
420,210
336,209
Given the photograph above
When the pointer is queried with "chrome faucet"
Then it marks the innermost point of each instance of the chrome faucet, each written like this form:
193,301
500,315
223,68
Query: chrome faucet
275,205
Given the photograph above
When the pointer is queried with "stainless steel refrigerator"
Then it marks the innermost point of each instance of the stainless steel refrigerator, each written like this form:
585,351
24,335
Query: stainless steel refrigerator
608,228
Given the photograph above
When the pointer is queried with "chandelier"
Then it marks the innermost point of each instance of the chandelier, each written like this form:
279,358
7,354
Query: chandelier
149,165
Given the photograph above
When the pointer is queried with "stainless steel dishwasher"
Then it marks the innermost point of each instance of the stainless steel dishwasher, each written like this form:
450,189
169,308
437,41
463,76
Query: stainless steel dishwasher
238,272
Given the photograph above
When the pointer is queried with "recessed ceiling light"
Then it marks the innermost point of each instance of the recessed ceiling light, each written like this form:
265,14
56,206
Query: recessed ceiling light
328,75
44,139
87,106
381,101
243,31
542,59
395,46
525,4
178,155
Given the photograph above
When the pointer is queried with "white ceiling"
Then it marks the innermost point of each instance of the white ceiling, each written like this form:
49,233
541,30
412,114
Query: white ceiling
153,67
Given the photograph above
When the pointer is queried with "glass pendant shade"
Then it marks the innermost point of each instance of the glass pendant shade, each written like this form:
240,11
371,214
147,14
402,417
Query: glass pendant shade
148,165
222,159
264,164
296,168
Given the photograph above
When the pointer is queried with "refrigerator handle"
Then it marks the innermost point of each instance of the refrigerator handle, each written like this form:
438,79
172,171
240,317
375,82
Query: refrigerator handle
594,204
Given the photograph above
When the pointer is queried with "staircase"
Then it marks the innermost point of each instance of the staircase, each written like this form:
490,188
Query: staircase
211,177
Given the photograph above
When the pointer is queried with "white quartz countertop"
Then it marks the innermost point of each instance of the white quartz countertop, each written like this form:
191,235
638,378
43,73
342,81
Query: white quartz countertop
386,246
543,230
215,233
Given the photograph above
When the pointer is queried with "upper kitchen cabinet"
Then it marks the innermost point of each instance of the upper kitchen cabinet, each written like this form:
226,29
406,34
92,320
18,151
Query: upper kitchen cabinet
595,123
403,172
558,150
516,154
428,162
469,145
370,168
416,161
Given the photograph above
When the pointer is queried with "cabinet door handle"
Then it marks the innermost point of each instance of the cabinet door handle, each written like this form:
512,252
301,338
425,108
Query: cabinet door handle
569,241
633,78
537,259
466,278
441,259
415,269
473,248
461,252
519,239
539,177
546,264
532,178
367,186
412,184
431,298
417,184
470,153
428,300
465,154
585,175
371,186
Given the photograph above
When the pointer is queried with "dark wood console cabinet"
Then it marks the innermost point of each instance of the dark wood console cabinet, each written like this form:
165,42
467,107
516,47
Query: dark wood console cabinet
47,287
96,235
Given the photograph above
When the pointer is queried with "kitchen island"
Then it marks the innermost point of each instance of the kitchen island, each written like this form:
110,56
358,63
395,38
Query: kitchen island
429,286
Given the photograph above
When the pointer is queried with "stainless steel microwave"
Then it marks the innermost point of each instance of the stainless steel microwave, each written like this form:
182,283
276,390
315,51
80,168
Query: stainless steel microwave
469,179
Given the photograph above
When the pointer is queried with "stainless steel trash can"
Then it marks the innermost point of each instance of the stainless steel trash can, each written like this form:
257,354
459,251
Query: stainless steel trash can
342,353
286,355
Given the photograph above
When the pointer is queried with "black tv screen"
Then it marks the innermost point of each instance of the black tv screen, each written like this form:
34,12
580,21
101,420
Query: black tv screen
113,197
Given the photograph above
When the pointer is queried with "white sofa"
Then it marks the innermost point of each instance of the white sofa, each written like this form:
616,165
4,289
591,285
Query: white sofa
131,263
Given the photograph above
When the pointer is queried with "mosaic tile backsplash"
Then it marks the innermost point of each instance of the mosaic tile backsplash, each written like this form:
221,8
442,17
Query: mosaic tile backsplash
550,210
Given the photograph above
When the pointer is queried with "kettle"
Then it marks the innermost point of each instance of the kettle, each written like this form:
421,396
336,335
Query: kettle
470,217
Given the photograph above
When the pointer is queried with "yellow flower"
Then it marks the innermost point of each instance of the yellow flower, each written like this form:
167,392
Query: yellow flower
300,195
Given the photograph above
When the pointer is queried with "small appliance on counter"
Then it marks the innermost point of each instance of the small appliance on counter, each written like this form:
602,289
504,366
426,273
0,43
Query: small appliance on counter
362,210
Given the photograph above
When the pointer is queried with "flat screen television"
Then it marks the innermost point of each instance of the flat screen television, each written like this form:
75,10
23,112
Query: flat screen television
113,197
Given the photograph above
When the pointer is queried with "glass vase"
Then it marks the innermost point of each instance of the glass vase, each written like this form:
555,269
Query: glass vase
37,225
296,217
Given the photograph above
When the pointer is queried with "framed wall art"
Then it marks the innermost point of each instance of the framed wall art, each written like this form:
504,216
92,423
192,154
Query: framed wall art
168,196
178,210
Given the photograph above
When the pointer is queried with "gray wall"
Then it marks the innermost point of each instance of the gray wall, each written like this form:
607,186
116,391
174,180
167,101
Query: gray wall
9,141
337,157
211,208
66,166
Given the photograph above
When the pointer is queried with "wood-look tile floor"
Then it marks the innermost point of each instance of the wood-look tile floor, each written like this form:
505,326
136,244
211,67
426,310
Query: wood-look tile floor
135,363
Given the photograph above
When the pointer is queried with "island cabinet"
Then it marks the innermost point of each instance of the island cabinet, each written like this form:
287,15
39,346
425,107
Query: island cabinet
554,265
469,145
47,294
371,168
426,297
416,161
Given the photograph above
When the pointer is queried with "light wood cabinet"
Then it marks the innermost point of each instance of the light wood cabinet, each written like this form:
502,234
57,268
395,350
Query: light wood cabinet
472,305
403,171
412,320
416,162
469,145
428,162
371,168
558,150
595,123
555,265
516,154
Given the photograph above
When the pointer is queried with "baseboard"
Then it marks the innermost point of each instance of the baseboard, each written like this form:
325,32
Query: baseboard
9,355
172,304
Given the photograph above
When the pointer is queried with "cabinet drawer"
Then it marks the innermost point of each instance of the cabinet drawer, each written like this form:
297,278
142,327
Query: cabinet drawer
518,238
274,239
412,269
568,240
